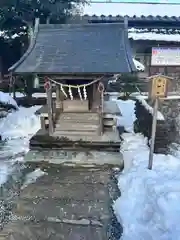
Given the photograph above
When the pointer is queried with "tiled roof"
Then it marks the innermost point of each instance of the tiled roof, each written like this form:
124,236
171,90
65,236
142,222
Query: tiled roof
155,28
78,48
120,18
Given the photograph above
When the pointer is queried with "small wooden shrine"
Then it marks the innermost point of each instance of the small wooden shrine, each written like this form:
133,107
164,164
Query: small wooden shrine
74,60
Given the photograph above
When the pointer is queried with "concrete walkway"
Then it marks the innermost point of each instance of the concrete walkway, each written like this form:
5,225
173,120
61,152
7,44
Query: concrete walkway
69,203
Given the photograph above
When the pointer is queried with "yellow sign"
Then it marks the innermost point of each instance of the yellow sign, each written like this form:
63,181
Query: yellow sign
159,86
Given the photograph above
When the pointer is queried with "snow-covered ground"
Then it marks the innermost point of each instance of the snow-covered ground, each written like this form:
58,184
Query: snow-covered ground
7,99
149,108
148,208
32,177
35,95
128,117
16,130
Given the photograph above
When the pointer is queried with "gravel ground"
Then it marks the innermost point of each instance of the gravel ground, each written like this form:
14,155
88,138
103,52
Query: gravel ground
11,189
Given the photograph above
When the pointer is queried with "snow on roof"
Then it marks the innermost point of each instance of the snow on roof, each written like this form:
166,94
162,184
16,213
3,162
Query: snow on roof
139,66
149,108
131,9
154,36
138,10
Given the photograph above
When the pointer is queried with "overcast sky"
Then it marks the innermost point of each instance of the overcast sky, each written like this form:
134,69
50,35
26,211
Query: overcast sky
132,9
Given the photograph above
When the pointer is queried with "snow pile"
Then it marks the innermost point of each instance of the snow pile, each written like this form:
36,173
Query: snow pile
139,66
7,99
148,207
149,108
20,124
149,204
32,177
127,110
5,170
17,128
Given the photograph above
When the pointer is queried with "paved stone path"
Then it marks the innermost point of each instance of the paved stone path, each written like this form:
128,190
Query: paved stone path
68,203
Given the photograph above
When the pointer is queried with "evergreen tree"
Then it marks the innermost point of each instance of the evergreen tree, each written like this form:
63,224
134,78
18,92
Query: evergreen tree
16,16
126,83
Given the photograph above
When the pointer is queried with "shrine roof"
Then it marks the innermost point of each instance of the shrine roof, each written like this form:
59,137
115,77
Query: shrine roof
77,48
131,18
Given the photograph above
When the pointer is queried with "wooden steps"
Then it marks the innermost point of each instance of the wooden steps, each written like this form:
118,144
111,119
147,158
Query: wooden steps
79,134
76,127
80,124
88,117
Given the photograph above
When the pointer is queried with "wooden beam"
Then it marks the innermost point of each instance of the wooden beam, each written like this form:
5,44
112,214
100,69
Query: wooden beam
50,108
61,98
73,77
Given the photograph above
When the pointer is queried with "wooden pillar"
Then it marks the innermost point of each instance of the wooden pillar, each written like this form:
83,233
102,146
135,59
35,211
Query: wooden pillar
43,124
36,82
61,99
14,87
50,107
58,97
95,99
94,95
102,113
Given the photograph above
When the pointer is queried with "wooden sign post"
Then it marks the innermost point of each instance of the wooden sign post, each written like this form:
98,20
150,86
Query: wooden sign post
158,89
